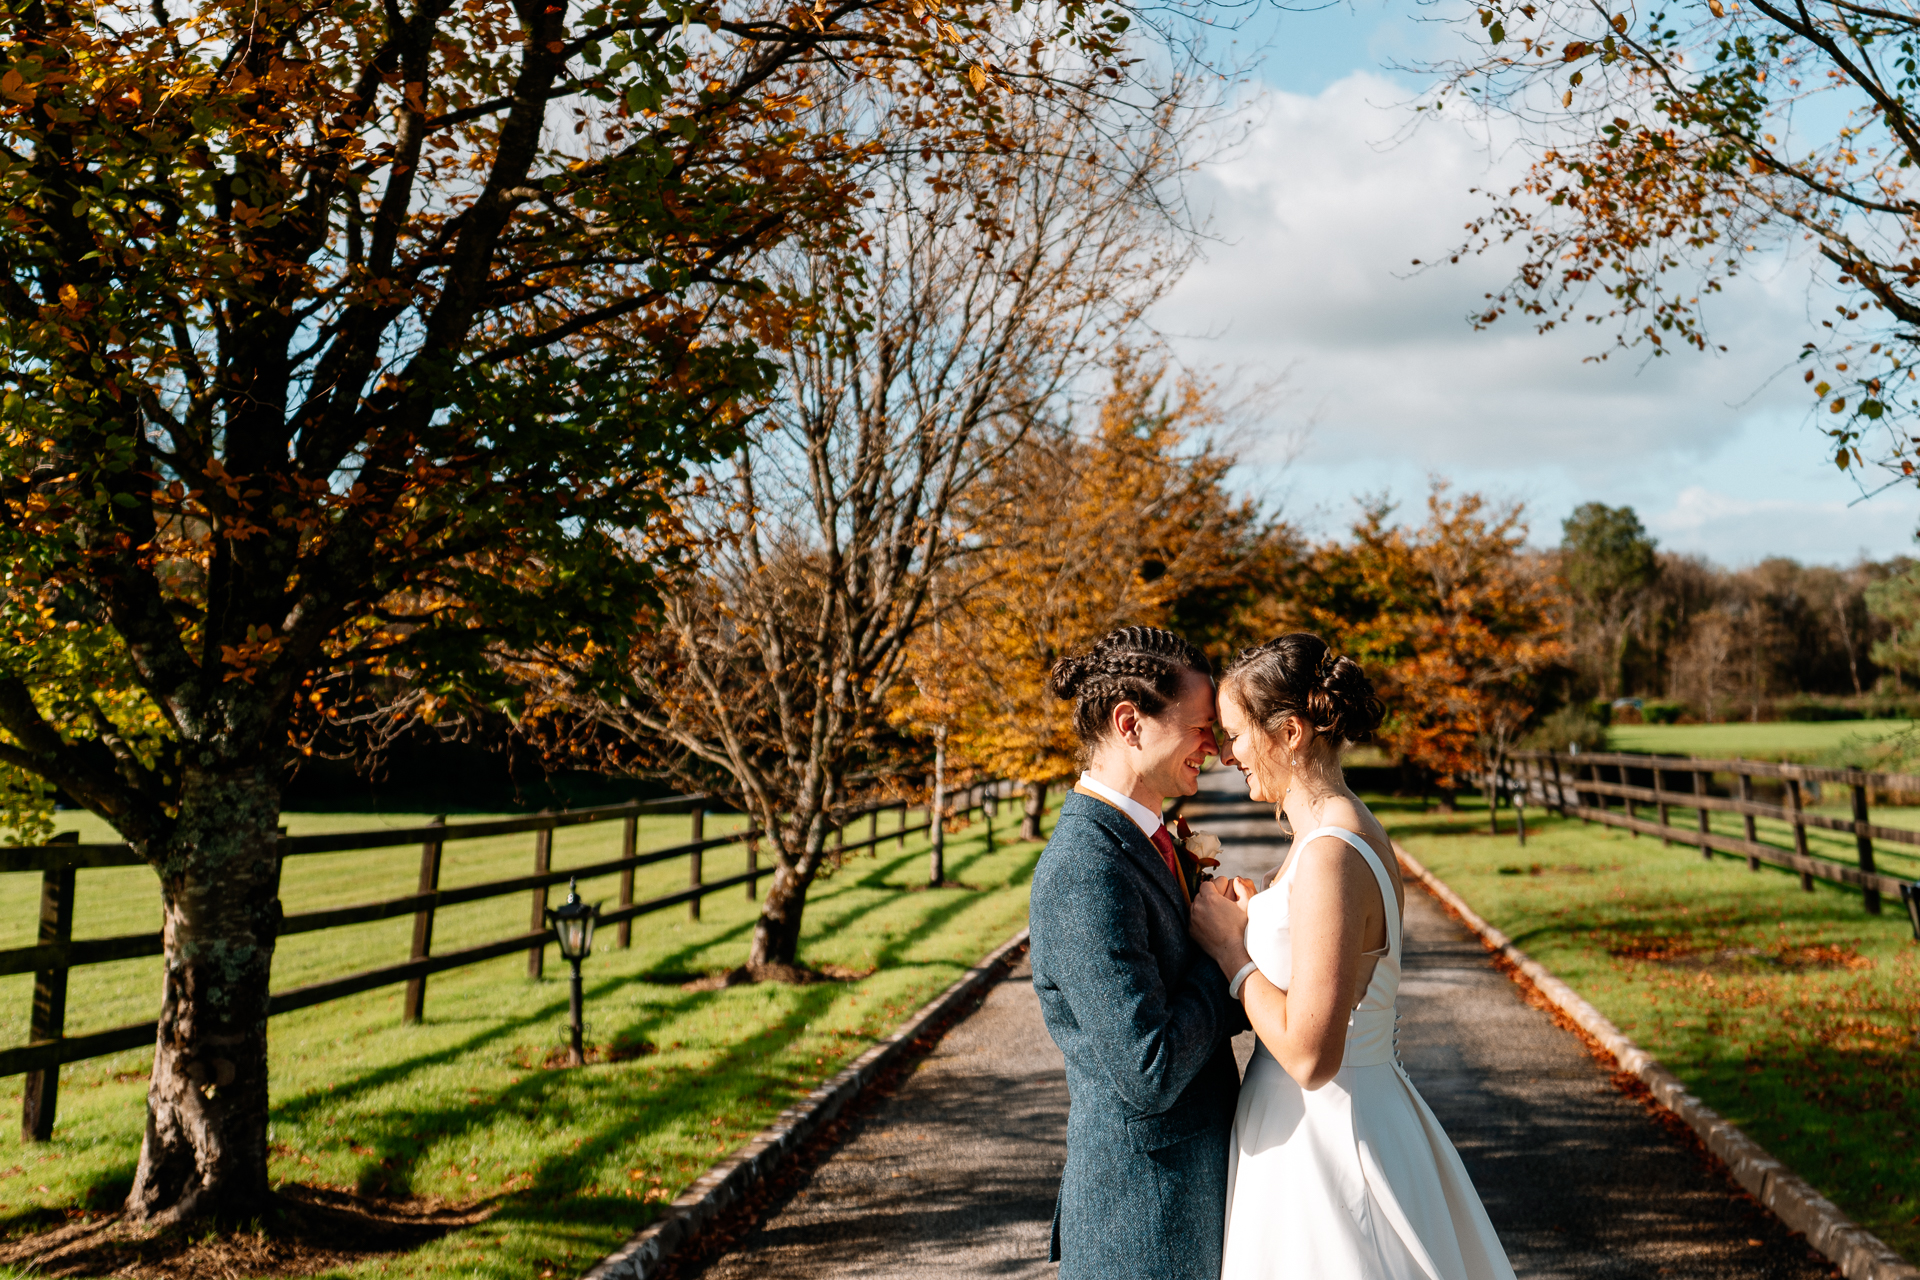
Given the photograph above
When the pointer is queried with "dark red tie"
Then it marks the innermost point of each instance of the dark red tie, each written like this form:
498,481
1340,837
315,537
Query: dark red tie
1164,843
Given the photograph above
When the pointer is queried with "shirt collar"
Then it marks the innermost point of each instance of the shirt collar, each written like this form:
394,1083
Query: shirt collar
1146,819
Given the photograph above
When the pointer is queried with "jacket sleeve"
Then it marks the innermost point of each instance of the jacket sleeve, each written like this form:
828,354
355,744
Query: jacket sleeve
1094,948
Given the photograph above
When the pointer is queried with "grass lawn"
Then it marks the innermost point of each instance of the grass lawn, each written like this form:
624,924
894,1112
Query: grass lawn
1795,1015
459,1108
1805,742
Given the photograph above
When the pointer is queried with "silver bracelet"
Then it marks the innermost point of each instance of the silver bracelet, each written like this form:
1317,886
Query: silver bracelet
1240,979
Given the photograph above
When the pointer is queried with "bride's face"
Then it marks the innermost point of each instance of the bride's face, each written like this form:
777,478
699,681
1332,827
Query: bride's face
1247,749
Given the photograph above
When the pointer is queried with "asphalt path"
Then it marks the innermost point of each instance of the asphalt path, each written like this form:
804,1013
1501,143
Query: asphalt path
953,1174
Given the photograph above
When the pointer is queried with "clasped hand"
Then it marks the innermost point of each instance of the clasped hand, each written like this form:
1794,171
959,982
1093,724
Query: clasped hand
1218,921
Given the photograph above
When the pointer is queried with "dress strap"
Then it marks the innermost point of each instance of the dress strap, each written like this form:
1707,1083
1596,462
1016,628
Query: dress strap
1388,903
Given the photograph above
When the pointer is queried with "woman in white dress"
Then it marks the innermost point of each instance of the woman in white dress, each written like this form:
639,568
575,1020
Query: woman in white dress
1338,1170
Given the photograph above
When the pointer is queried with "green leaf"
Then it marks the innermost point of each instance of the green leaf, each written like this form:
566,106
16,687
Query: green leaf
1498,32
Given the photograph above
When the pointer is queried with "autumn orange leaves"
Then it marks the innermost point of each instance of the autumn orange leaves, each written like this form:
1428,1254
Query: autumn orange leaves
1693,140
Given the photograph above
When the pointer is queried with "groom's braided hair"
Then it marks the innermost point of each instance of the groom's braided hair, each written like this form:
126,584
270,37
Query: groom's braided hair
1141,665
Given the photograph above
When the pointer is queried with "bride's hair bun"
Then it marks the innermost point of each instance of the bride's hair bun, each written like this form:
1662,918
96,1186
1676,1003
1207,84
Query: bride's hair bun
1298,675
1141,665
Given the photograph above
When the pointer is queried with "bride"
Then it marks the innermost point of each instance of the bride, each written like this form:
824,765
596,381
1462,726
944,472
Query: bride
1337,1169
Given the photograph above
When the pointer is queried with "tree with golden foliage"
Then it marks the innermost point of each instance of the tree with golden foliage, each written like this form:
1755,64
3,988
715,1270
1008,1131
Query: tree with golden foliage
1455,621
1078,533
999,281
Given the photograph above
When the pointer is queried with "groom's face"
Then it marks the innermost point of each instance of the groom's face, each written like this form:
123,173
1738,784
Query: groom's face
1175,743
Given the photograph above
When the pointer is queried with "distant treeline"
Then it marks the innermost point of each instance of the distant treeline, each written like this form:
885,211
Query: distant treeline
1695,640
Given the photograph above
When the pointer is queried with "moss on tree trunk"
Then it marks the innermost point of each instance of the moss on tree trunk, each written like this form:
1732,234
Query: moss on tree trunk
205,1151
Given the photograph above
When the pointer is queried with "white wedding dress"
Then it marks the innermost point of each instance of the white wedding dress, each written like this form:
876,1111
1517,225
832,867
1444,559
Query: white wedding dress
1354,1180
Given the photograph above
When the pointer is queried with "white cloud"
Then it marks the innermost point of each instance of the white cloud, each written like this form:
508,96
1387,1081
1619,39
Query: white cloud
1322,214
1736,530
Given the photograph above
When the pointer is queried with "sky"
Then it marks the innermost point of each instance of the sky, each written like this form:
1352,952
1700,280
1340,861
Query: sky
1383,385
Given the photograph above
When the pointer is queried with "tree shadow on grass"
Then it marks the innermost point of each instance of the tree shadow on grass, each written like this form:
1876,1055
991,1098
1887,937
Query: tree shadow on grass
633,1105
558,1194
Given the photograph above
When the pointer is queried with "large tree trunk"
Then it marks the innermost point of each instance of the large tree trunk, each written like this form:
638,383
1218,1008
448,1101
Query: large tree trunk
205,1152
1036,807
775,949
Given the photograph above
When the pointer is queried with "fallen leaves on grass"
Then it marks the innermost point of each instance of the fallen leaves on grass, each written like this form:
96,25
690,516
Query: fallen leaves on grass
1689,953
313,1230
791,974
529,1059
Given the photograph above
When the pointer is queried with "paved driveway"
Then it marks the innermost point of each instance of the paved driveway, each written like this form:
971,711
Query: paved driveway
954,1173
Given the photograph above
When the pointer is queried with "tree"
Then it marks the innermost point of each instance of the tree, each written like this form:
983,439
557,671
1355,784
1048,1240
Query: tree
1897,601
1077,533
997,278
1455,621
1693,137
351,340
1608,563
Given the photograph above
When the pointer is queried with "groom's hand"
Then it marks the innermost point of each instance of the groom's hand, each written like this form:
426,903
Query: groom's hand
1219,922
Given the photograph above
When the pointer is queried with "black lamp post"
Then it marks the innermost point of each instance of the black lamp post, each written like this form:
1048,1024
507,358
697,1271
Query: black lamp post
572,923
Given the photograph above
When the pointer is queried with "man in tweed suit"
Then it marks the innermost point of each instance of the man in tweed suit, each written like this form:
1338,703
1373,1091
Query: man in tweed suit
1140,1013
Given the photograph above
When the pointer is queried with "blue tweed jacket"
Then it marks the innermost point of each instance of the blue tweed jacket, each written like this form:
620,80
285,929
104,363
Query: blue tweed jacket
1144,1019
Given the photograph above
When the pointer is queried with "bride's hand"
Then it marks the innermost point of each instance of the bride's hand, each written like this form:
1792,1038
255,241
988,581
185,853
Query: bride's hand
1218,921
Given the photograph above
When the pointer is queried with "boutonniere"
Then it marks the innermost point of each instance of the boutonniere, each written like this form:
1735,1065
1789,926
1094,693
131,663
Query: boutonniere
1199,854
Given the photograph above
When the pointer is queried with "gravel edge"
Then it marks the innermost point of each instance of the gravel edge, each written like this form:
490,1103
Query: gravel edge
1858,1253
723,1185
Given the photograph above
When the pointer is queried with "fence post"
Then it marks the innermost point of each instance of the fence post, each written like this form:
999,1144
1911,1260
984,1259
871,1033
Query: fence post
48,1018
989,809
1660,805
1559,787
753,862
903,824
873,831
1863,841
413,1009
1033,808
696,832
1799,830
1620,772
1753,836
1706,828
629,846
936,832
542,863
1520,811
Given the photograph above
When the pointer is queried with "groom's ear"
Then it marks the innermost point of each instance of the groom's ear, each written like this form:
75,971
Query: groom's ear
1126,722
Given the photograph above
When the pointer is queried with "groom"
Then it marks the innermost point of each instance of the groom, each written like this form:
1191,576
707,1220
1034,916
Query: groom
1140,1013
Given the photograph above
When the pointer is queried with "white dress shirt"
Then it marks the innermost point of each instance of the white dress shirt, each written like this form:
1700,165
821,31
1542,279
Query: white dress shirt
1146,819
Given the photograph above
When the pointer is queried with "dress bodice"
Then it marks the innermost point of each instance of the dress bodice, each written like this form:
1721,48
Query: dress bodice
1372,1025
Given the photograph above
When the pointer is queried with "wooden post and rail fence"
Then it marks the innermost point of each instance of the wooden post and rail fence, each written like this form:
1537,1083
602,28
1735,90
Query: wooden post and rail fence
1606,787
60,860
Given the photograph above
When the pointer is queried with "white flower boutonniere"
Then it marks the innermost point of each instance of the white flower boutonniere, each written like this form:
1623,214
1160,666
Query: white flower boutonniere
1199,854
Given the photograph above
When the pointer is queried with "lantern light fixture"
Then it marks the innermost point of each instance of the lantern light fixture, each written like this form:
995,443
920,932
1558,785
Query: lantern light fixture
572,924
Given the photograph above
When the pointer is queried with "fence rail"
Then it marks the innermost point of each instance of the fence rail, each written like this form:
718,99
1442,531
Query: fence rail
56,952
1578,785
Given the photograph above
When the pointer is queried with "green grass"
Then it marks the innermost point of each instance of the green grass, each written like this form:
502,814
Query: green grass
1805,742
1792,1014
457,1108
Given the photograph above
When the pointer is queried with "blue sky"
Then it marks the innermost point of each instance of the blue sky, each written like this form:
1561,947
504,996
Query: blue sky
1318,216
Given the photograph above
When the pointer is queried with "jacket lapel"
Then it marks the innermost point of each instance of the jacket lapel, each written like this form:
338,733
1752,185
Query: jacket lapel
1146,859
